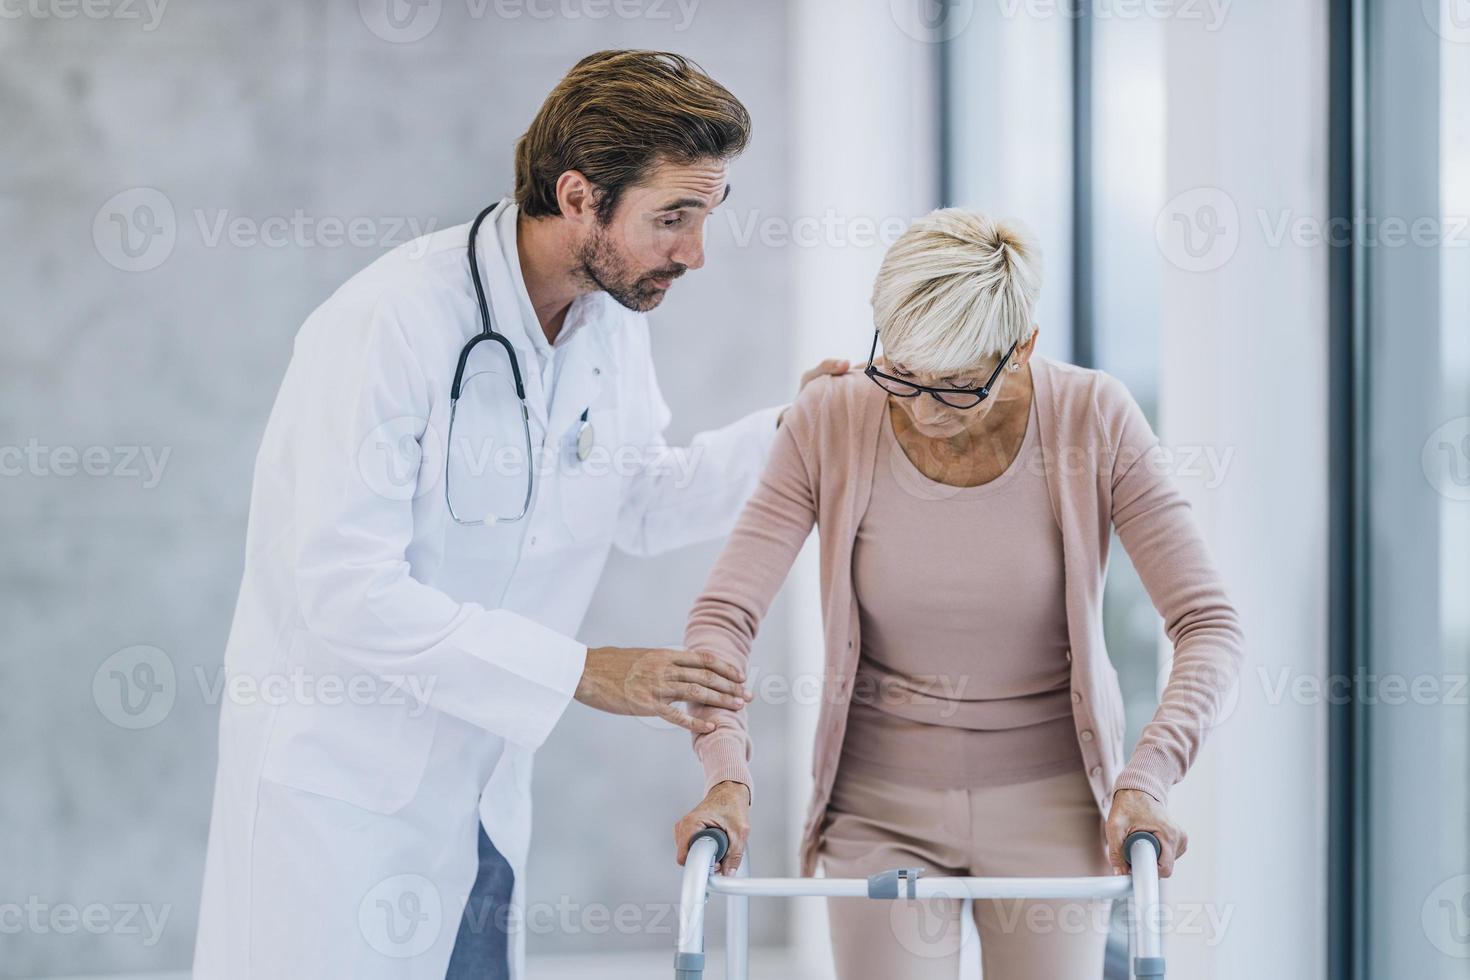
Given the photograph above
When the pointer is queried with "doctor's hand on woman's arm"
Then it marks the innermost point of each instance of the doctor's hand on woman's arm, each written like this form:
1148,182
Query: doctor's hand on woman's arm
652,681
1133,809
727,806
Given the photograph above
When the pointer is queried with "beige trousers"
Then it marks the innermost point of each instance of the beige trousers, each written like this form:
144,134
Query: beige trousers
1047,827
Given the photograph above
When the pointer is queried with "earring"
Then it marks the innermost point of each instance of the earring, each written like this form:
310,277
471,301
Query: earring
1015,365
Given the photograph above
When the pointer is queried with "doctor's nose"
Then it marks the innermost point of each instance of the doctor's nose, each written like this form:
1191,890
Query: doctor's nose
689,249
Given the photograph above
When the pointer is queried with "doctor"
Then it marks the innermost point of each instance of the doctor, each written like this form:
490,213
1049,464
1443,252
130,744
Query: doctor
418,564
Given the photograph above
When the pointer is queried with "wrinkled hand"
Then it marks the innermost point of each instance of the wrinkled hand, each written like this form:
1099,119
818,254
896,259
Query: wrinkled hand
1135,810
832,365
651,681
727,806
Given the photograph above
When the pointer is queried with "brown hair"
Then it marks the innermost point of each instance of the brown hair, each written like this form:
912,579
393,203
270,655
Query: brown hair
615,116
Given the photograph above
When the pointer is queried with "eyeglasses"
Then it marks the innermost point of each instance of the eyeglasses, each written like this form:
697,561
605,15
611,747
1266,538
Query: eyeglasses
953,397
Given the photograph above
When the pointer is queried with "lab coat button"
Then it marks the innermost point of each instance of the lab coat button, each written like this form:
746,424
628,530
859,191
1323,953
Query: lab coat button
1087,735
1095,771
1069,656
1076,698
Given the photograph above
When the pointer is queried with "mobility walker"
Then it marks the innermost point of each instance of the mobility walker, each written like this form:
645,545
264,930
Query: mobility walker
708,847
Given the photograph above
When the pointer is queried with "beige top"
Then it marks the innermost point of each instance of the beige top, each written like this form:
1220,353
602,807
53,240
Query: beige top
963,677
1105,472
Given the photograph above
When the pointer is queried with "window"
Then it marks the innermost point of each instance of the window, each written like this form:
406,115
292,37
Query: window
1127,177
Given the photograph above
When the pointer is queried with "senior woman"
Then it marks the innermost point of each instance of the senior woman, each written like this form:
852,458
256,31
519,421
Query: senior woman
964,489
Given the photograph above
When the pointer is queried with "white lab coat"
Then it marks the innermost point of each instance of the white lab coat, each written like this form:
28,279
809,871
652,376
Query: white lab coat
391,673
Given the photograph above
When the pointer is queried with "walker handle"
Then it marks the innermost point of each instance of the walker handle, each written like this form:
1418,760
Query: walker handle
1139,835
721,839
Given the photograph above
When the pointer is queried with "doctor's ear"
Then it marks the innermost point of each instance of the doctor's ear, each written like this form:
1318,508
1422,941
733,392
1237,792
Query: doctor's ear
576,196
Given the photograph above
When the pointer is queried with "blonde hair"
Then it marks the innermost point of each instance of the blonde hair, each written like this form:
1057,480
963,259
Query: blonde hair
956,287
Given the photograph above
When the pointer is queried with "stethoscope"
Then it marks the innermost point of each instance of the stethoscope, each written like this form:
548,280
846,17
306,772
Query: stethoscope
586,437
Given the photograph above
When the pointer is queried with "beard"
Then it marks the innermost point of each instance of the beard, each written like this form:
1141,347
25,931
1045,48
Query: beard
602,265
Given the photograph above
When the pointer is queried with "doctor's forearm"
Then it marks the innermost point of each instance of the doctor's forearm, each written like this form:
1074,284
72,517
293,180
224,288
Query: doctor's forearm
695,493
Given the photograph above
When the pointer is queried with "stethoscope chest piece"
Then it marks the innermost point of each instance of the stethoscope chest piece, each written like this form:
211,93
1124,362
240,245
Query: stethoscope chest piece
586,438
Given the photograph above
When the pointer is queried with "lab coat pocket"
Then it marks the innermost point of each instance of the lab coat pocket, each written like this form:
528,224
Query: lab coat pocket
347,734
592,488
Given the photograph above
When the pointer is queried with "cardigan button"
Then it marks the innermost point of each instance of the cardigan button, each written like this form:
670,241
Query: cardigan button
1087,735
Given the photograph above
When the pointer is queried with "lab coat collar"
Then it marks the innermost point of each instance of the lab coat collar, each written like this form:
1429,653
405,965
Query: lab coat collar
585,348
507,219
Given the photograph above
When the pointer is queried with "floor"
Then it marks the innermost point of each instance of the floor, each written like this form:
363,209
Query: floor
765,965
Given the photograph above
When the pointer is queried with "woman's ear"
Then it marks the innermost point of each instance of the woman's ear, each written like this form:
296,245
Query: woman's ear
1025,349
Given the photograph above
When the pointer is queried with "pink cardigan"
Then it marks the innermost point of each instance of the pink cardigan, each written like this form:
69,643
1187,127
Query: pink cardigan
1104,471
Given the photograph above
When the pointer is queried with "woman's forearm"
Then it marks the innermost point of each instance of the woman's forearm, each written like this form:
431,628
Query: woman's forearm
1158,530
745,579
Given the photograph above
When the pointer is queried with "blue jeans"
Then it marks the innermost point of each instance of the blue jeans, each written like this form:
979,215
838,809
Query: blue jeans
482,949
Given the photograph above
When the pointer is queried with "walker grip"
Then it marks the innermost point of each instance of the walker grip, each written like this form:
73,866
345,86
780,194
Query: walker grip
1139,835
721,839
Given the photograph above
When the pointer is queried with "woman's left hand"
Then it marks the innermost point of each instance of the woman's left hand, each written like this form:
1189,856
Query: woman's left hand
1133,809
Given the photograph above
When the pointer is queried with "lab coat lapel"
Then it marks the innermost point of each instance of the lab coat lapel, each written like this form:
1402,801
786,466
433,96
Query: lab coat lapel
585,365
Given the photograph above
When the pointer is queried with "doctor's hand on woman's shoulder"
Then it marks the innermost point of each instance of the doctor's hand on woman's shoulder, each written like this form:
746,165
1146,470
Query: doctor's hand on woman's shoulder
832,365
651,681
727,806
1132,810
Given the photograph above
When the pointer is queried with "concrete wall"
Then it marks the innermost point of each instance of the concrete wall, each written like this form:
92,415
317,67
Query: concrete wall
171,349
